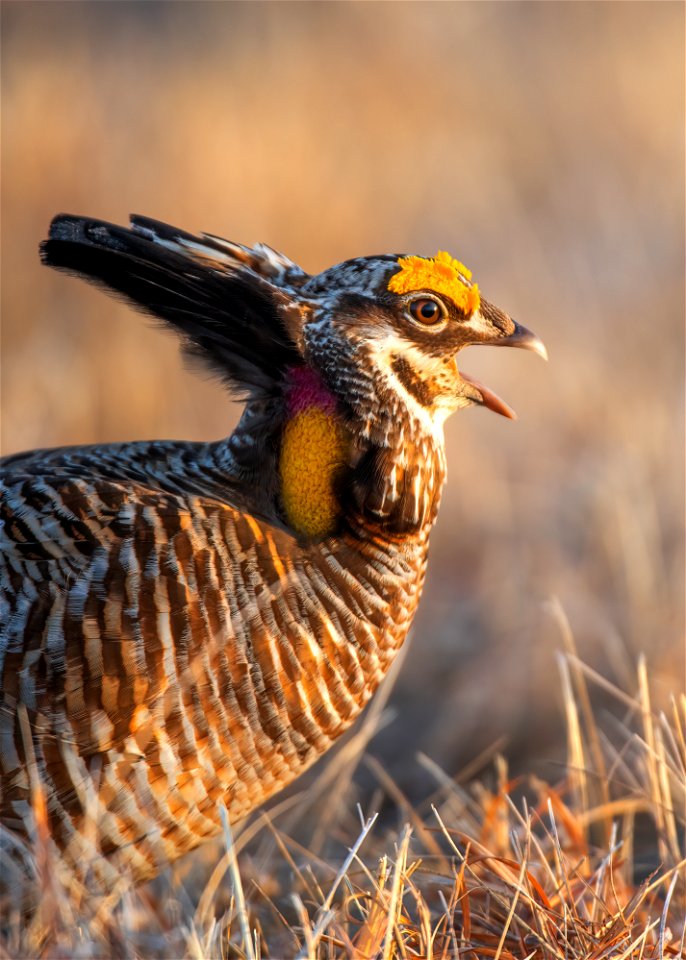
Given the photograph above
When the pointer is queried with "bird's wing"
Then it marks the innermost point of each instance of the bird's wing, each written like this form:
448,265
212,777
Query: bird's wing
225,299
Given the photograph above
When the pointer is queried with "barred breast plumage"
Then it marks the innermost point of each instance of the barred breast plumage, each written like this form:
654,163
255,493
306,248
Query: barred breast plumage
188,624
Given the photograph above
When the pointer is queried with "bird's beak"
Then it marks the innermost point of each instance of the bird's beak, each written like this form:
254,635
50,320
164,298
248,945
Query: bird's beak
494,328
521,337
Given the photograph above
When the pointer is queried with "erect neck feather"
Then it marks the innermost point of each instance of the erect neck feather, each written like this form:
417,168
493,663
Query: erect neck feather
397,485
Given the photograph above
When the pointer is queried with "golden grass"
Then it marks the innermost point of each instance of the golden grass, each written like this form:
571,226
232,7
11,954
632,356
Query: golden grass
515,869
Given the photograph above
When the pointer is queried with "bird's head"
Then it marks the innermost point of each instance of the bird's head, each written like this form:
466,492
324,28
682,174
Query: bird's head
384,333
379,338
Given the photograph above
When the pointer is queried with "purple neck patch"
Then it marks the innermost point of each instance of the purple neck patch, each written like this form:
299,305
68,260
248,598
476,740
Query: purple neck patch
304,389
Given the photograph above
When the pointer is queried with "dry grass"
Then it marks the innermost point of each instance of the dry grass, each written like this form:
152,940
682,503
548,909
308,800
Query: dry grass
522,869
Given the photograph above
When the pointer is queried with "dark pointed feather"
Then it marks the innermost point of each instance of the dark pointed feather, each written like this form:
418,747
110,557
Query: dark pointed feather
231,318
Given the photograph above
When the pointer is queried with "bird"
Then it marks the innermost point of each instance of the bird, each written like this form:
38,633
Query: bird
188,626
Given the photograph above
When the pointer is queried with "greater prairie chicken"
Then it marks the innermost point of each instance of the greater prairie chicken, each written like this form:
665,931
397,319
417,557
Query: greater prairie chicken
185,624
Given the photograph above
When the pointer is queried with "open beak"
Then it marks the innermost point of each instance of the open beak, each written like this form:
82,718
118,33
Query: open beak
494,328
489,398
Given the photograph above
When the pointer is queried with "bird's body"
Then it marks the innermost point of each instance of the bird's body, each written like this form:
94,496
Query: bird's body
185,625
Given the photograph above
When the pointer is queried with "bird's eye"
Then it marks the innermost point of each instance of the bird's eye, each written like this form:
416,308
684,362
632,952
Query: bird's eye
426,311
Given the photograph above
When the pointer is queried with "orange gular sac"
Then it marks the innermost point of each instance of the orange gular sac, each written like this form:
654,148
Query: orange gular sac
315,449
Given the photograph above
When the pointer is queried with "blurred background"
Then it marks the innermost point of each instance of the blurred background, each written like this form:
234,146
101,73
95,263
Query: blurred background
543,145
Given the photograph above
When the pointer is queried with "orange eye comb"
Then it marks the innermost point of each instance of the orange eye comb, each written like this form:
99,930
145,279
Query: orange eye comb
442,274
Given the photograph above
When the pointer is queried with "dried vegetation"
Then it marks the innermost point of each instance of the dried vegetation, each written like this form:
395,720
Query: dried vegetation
592,867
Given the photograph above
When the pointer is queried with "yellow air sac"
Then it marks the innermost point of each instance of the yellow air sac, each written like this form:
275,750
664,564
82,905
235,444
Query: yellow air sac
314,449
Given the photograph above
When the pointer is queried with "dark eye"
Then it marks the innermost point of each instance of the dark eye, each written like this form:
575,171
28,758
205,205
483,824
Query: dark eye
427,311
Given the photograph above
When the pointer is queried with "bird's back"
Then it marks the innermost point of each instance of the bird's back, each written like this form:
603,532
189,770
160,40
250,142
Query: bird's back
172,649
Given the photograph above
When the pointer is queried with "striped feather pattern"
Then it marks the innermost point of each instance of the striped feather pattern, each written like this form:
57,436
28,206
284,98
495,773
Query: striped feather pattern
176,651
